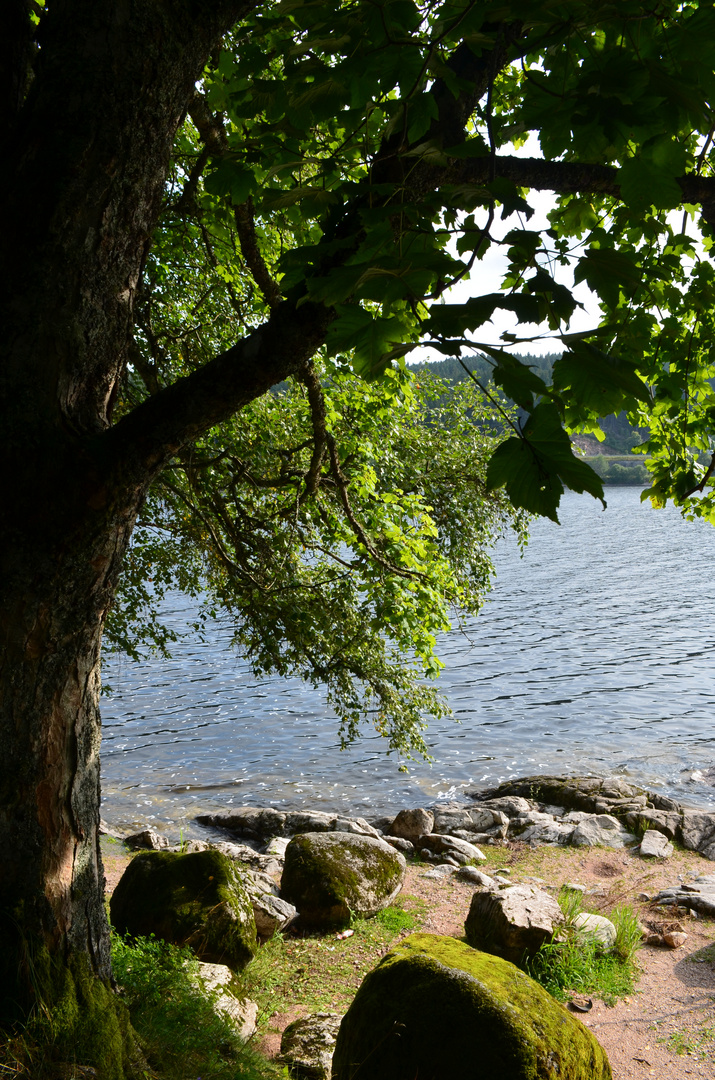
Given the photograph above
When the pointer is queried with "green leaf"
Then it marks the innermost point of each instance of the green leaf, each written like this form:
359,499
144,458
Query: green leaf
233,179
599,381
455,319
421,111
644,184
606,270
518,381
535,467
529,486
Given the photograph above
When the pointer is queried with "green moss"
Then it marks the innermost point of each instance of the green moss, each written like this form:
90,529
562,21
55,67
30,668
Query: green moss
485,1018
329,878
77,1020
196,899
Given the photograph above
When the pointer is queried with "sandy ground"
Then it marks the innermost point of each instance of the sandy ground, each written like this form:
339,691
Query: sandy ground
666,1029
657,1032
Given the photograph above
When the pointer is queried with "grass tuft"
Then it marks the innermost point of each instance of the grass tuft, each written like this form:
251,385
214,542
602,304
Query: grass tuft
182,1036
576,964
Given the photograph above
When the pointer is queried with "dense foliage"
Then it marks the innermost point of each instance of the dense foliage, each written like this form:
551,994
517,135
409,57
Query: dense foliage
347,579
378,140
362,158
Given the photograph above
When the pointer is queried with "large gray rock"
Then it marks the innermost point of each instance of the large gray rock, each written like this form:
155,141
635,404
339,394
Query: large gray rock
655,845
197,899
698,832
449,821
307,1045
599,830
460,850
264,823
330,876
698,896
272,914
667,822
511,805
635,808
411,824
217,983
435,1008
541,828
147,839
512,923
260,823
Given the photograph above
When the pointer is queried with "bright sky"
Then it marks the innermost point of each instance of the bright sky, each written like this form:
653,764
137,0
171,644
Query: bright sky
486,277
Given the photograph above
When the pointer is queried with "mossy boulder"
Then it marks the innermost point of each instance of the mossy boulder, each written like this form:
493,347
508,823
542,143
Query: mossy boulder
436,1008
330,876
197,899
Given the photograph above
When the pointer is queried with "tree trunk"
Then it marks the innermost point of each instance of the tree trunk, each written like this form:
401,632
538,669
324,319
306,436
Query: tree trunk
59,573
86,160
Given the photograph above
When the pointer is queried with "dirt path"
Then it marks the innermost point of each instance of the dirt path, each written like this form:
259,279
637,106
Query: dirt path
666,1029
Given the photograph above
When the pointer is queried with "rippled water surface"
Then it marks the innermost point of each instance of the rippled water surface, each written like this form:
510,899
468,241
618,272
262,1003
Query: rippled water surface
594,654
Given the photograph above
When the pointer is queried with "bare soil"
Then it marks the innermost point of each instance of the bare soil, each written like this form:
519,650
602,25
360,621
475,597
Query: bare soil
666,1029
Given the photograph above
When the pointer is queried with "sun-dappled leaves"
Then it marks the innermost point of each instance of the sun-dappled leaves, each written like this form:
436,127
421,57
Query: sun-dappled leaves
359,159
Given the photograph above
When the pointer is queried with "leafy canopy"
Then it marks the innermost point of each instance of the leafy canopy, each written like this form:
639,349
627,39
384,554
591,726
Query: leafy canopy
362,156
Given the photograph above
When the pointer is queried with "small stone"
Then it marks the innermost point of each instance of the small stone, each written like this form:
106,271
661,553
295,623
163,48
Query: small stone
655,845
189,847
147,839
400,844
460,850
437,873
597,928
412,824
307,1045
217,982
277,846
272,915
674,940
573,886
644,897
470,873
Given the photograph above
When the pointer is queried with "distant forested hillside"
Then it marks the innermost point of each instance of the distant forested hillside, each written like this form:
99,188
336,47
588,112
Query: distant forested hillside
620,435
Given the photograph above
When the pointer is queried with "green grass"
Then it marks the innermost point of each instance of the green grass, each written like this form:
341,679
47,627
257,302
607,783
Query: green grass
320,972
577,964
699,1043
181,1035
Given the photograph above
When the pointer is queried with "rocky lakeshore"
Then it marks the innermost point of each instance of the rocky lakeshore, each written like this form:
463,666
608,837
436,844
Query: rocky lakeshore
462,853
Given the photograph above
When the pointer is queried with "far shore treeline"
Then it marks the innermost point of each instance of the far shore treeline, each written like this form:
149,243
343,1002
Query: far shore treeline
612,459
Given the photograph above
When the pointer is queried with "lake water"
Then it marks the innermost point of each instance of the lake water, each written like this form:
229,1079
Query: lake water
593,654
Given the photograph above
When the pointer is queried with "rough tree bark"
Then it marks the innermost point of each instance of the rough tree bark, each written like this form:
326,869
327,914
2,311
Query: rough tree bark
86,158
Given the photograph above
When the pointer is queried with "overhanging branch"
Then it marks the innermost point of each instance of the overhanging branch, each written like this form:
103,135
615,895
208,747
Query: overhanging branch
144,440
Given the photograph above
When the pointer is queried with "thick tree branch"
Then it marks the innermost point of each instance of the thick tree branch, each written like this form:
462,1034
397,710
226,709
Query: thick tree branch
246,229
320,435
567,177
142,442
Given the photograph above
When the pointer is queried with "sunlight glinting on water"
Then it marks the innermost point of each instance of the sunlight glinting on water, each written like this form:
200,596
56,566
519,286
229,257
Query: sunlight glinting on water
593,655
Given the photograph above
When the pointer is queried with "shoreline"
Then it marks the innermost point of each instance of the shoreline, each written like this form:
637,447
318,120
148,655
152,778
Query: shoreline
644,1033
